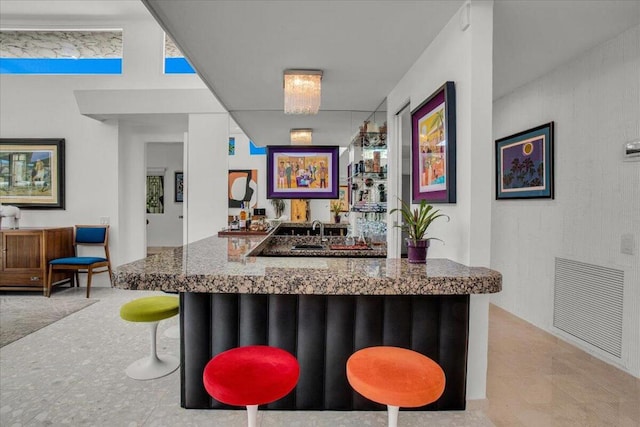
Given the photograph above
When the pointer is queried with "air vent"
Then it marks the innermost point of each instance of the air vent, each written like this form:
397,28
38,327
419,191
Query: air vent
588,301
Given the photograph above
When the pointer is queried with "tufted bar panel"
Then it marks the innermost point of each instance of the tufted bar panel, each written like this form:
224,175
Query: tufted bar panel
322,331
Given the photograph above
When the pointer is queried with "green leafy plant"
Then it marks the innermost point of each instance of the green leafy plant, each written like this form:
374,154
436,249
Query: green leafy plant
416,222
336,207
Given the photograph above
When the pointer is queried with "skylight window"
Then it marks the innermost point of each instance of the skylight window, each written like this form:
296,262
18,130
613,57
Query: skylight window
174,60
60,52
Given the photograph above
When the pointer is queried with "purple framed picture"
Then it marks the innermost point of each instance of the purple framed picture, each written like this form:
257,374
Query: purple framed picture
433,147
302,172
524,164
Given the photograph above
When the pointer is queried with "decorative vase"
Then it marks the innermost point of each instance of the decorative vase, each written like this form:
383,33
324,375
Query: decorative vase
417,251
337,219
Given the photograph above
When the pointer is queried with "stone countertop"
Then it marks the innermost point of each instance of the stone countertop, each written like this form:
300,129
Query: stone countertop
221,265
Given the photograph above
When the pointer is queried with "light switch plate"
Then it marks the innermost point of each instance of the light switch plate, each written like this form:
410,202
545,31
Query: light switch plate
104,220
627,244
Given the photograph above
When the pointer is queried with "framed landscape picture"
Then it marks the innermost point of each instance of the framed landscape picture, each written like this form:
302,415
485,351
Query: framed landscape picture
32,173
302,172
524,164
433,147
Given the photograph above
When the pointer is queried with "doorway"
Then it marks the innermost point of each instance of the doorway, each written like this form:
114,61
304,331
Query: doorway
164,205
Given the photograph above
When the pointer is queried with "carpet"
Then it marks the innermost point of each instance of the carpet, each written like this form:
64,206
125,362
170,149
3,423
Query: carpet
21,316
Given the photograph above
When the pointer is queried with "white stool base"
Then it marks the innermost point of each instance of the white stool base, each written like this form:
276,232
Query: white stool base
149,368
252,415
172,332
393,415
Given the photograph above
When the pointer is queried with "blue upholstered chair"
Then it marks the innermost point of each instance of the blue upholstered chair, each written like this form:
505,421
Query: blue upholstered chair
84,235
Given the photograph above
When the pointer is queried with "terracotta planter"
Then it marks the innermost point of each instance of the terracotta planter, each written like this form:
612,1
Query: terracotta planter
417,251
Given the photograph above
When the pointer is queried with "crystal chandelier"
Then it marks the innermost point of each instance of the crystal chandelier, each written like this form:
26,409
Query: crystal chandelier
300,136
302,91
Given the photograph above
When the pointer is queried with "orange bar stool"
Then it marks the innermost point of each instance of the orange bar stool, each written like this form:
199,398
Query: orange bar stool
395,377
251,376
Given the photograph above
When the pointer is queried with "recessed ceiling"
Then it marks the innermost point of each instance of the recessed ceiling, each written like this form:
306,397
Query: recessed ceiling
240,48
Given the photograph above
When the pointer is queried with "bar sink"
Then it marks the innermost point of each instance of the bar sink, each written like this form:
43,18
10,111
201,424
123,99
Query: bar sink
307,247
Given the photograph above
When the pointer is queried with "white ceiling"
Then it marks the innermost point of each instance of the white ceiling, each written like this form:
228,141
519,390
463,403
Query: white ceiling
240,48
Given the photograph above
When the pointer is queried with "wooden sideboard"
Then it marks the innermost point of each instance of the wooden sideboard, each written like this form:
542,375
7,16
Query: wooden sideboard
26,253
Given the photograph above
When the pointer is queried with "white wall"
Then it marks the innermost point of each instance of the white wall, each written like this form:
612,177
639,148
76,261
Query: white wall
166,229
97,169
206,175
595,104
464,57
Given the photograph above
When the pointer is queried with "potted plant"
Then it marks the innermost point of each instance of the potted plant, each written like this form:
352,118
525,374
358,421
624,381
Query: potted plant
336,208
416,222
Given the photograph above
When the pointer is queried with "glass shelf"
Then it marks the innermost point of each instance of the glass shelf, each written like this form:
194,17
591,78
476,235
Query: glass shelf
374,175
368,152
364,207
370,140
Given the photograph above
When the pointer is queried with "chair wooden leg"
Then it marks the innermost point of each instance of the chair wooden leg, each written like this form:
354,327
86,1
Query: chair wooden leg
110,275
47,289
89,274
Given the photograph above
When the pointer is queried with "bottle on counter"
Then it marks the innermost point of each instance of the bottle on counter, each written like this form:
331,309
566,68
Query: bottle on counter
243,217
235,224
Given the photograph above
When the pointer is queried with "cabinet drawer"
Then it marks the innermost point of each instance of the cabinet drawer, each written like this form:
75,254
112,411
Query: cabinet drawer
34,278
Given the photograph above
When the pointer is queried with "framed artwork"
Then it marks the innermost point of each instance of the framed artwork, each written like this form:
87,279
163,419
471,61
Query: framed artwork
300,210
343,198
232,146
433,147
179,187
155,194
32,173
243,187
302,172
524,164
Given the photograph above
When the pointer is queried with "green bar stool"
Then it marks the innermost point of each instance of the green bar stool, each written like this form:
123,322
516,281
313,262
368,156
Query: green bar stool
151,310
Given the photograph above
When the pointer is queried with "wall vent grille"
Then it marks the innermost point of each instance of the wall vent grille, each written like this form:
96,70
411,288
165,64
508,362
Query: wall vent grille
588,301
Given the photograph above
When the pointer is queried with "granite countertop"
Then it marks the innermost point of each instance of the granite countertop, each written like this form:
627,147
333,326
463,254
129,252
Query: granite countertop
222,265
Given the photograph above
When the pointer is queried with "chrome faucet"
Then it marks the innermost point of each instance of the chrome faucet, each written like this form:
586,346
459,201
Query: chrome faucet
313,227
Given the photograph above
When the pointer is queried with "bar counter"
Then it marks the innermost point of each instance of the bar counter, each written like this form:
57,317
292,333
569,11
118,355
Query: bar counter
221,265
321,309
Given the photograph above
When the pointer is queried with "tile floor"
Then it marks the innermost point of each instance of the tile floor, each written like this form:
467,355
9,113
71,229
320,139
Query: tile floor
536,379
72,373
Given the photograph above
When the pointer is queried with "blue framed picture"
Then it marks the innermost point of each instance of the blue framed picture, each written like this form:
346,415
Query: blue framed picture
524,164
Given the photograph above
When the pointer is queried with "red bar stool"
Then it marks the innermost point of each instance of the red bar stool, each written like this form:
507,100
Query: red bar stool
395,377
251,376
